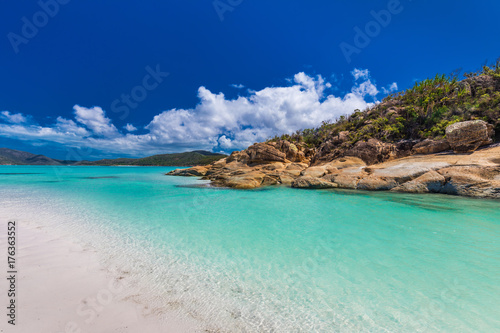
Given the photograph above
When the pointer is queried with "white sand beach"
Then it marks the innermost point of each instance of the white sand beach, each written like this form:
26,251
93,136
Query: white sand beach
62,287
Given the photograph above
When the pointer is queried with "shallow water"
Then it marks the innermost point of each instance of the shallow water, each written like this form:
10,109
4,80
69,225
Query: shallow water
279,259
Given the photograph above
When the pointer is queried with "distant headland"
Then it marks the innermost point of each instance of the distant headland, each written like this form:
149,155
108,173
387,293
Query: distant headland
197,157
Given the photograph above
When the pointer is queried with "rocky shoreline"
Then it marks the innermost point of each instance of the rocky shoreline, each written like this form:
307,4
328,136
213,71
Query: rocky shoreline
455,166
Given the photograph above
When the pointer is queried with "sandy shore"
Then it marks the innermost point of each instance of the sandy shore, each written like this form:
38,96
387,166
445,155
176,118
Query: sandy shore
61,286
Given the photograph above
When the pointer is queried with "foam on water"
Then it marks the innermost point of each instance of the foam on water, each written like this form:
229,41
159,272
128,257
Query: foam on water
279,259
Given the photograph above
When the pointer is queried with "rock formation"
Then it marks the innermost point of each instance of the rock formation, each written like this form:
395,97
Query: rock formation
407,166
467,136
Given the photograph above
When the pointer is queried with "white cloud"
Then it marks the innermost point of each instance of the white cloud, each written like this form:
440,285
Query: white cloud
225,143
390,89
95,120
215,123
238,86
14,118
360,74
130,128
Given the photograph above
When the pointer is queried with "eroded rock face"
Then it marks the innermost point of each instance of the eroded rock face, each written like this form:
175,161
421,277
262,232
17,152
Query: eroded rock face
197,171
292,152
431,147
428,182
467,136
483,82
473,181
312,183
247,180
476,175
238,156
264,153
372,151
316,172
375,183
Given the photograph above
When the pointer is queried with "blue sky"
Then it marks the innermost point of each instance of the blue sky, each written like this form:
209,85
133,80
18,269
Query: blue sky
216,75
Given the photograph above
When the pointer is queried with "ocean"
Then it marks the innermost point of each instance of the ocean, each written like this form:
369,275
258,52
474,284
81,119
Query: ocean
277,259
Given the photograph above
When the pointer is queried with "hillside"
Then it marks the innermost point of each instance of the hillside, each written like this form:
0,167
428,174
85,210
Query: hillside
422,112
17,157
198,157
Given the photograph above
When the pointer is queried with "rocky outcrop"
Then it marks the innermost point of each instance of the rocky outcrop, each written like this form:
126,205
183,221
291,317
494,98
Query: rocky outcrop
248,180
428,182
197,171
312,183
264,153
372,151
406,166
291,151
431,147
471,180
467,136
315,171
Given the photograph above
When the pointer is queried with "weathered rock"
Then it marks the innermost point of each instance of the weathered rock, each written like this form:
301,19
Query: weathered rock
372,151
473,181
346,162
270,180
286,179
312,183
295,169
402,171
197,171
483,82
467,136
374,183
476,174
431,147
297,166
340,138
293,173
292,152
428,182
264,153
347,178
330,149
247,180
316,172
219,164
274,166
404,148
238,156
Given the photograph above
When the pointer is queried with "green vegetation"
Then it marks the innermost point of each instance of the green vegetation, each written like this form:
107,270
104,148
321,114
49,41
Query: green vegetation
198,157
421,112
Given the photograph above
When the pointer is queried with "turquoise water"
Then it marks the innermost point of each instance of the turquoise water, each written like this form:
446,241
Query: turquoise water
279,259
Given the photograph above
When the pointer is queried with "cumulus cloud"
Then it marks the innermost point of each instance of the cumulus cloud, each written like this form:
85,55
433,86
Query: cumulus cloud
215,123
360,74
390,89
16,118
95,120
130,128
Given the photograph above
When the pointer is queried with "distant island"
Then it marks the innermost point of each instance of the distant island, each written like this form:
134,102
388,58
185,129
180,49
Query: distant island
197,157
440,136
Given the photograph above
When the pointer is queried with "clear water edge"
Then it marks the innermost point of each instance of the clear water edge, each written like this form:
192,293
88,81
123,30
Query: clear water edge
279,259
